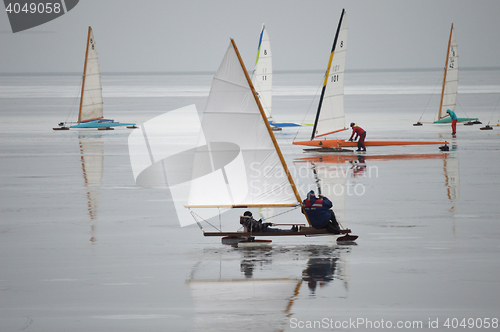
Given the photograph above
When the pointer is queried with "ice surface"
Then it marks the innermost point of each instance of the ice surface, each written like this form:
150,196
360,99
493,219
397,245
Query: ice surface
83,248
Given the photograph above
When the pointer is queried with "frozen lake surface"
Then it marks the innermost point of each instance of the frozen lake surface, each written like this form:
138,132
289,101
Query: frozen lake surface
83,248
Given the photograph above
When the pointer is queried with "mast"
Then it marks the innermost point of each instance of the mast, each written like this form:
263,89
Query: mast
326,76
268,126
84,71
445,72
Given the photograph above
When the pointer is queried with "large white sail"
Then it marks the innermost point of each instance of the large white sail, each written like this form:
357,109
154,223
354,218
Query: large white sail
262,78
450,81
91,99
330,117
239,164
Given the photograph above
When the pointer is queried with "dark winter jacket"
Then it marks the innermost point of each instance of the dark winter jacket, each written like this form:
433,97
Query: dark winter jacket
253,225
318,210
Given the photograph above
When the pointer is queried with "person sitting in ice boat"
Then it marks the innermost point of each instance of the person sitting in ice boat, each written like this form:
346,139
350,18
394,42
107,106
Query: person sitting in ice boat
361,133
453,117
257,226
319,212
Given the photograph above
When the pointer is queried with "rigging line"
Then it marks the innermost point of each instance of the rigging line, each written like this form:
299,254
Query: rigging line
316,94
429,100
494,110
75,101
194,214
264,105
460,106
279,214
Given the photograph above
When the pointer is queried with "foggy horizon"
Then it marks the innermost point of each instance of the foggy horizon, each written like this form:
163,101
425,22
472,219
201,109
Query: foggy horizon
157,36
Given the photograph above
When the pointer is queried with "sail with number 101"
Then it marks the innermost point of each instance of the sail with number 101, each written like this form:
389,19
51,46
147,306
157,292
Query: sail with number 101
330,116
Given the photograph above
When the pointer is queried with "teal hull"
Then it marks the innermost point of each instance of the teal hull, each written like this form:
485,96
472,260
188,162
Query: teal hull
448,120
101,124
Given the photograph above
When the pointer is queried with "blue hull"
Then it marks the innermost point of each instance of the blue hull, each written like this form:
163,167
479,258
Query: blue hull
283,124
101,124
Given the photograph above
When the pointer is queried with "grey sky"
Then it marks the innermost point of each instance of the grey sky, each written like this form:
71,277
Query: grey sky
192,35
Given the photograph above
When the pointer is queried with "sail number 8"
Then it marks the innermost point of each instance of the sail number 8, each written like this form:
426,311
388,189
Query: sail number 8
33,8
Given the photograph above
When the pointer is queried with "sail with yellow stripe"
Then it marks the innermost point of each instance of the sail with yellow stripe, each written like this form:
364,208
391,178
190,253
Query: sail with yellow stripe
330,116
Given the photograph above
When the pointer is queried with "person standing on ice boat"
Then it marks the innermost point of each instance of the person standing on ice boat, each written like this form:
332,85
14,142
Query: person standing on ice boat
361,133
453,117
258,226
319,213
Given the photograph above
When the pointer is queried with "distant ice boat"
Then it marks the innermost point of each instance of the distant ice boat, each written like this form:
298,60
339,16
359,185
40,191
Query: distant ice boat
449,88
90,114
262,79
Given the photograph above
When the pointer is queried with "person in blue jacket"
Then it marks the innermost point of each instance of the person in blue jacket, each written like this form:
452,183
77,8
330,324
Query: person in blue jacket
318,209
453,117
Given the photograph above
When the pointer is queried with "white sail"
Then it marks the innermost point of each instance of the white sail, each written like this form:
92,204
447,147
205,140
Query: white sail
91,99
331,116
239,164
450,84
262,78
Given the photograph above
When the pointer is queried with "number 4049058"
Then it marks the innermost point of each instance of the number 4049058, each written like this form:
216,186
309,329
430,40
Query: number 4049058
472,323
32,8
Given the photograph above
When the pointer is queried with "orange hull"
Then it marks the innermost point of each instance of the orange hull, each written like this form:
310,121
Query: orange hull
342,143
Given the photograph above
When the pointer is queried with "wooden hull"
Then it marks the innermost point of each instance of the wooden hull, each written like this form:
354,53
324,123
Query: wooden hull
342,143
304,231
246,239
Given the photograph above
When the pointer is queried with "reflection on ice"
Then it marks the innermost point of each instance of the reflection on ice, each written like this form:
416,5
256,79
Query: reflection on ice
262,290
92,159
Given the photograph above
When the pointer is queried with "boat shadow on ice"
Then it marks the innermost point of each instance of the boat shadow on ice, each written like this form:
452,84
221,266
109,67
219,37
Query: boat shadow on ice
259,286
